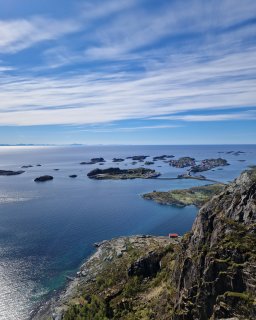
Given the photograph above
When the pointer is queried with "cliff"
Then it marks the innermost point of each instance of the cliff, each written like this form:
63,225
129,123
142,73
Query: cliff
215,276
208,274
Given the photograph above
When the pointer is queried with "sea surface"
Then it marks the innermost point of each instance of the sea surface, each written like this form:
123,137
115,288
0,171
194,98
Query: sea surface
47,230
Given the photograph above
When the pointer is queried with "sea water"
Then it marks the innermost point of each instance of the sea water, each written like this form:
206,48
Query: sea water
48,229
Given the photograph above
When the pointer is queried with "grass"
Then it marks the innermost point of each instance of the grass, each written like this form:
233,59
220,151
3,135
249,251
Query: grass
197,196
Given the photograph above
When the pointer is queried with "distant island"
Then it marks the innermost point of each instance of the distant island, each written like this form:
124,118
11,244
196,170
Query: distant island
10,172
123,174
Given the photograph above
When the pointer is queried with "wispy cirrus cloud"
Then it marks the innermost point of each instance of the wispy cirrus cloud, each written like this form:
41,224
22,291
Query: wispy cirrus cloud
101,98
19,34
16,35
128,129
131,60
244,115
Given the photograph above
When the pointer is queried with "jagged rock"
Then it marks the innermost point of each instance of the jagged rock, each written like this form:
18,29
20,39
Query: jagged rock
146,266
216,275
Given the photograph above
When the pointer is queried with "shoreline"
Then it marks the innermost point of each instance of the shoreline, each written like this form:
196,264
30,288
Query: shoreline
106,252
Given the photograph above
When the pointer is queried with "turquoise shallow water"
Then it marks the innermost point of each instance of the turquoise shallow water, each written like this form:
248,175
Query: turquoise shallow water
47,230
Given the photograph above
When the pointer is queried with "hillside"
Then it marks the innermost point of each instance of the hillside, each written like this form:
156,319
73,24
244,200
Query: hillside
208,274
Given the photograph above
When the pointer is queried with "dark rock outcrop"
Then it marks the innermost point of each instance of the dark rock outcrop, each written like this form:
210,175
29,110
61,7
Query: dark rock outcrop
118,160
163,157
43,178
138,158
94,161
216,273
10,172
147,266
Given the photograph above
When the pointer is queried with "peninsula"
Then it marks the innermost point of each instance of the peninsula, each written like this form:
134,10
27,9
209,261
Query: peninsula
197,196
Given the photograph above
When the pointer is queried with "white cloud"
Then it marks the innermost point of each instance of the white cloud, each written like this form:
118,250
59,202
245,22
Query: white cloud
129,129
246,115
217,72
16,35
102,98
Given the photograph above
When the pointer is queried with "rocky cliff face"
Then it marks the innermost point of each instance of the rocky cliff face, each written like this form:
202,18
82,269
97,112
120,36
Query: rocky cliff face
216,274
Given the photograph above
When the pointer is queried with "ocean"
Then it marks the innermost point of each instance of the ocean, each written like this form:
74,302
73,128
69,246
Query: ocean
47,230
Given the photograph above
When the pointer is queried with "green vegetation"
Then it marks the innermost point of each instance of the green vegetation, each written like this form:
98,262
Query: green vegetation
92,309
115,295
197,196
241,295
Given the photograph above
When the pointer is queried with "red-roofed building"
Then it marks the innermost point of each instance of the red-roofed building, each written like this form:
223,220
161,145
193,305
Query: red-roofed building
173,235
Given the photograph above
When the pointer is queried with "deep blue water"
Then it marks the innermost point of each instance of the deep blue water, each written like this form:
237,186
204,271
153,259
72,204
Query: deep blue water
47,230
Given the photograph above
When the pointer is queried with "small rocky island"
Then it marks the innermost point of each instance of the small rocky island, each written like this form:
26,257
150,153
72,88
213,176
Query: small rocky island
163,157
149,163
10,172
197,196
117,159
27,166
43,178
138,158
117,173
94,161
183,162
209,164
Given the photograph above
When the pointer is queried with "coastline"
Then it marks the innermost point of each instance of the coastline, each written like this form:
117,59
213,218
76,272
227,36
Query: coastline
107,252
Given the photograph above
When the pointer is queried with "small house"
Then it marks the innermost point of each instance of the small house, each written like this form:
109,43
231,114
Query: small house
173,235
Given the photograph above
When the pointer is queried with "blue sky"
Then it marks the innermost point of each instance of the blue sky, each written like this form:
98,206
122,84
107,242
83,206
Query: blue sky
128,71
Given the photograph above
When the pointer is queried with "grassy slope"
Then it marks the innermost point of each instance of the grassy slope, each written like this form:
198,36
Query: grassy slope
197,196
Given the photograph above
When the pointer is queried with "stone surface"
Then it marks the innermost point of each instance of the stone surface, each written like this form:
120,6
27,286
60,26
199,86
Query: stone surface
216,273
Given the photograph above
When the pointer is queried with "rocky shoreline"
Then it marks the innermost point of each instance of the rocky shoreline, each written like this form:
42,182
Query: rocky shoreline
136,252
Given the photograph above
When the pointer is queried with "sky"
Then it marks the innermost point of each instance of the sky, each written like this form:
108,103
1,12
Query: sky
128,71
